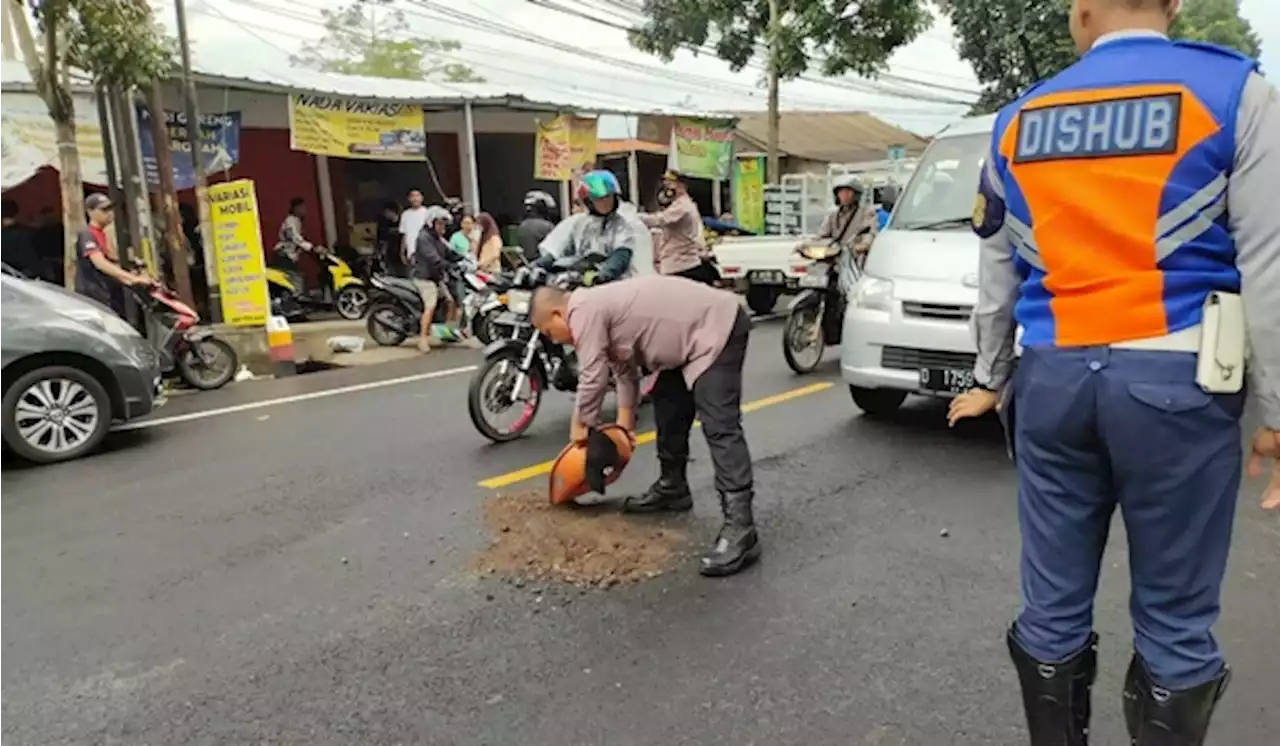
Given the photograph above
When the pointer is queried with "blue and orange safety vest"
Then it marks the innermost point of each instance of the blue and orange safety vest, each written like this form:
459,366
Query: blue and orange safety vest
1114,175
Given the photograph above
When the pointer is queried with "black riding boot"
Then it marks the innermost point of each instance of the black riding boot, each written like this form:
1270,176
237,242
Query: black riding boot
670,492
737,545
1159,717
1055,696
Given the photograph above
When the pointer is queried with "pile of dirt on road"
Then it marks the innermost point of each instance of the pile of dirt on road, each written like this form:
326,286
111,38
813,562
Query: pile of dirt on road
587,547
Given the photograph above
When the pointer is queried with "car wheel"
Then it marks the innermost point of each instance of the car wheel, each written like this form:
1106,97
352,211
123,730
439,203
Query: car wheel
878,402
56,413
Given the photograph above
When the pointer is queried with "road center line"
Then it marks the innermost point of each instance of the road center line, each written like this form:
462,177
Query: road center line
648,436
247,406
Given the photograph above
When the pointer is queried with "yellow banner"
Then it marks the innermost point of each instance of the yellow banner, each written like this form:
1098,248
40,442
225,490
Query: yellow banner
30,142
352,128
237,241
564,147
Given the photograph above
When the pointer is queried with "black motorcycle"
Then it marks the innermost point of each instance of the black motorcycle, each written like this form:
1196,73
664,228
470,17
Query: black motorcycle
518,369
815,317
395,310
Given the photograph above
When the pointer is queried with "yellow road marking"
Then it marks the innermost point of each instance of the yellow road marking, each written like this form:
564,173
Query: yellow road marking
648,436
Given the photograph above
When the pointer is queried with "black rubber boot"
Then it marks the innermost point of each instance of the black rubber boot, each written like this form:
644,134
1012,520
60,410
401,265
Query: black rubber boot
1160,717
1055,696
669,493
737,545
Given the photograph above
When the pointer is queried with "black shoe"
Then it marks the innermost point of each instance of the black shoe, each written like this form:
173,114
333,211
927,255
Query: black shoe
1055,696
669,493
1160,717
737,545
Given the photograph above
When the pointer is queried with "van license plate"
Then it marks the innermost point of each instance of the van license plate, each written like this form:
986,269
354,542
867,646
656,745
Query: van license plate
951,380
767,277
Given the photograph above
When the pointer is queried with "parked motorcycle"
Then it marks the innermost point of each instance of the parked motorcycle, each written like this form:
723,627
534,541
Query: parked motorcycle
518,369
395,312
187,351
815,317
347,294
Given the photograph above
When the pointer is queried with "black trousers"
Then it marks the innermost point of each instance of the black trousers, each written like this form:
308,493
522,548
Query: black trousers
716,400
706,273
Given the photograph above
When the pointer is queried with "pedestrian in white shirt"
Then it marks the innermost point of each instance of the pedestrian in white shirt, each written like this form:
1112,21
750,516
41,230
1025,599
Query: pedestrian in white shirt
412,221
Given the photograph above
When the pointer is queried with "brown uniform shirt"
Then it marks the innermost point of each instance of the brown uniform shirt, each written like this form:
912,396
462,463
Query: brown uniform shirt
681,246
655,322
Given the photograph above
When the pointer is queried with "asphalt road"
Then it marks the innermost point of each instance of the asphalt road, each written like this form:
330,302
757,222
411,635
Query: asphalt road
299,571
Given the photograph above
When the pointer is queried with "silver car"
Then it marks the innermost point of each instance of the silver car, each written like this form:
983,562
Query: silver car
71,368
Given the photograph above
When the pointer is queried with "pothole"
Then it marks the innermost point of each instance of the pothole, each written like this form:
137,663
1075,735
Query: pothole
592,546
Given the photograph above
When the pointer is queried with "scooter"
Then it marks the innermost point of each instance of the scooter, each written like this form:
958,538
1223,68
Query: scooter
815,316
396,308
187,351
347,294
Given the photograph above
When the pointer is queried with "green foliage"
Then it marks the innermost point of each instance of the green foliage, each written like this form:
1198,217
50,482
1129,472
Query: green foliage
987,38
368,37
837,37
116,42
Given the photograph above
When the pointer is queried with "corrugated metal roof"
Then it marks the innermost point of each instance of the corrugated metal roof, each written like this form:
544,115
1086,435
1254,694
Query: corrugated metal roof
247,74
832,137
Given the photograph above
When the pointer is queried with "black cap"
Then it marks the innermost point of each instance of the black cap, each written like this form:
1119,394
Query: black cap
97,201
602,459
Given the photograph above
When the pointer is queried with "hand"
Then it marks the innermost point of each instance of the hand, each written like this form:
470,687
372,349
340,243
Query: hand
972,403
142,279
577,432
589,278
1266,445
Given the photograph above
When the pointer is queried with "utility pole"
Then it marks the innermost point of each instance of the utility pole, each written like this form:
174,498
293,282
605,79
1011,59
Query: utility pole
195,138
169,195
773,171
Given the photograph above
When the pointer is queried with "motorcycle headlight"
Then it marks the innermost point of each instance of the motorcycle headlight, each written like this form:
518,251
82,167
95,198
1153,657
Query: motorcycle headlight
518,301
103,322
873,293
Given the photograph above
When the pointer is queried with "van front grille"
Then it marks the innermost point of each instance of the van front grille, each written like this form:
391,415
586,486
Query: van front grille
906,358
940,311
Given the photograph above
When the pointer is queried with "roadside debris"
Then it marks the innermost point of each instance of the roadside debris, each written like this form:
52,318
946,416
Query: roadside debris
534,542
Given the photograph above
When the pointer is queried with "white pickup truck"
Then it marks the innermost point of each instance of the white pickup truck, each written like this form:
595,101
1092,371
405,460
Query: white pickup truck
763,268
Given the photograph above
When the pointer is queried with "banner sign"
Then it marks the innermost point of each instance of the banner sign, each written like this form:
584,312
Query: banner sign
237,243
564,147
354,128
219,145
704,148
748,194
30,142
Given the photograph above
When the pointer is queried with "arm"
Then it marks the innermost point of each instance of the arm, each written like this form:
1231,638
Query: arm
1255,226
113,270
627,379
998,282
671,215
615,266
591,341
827,229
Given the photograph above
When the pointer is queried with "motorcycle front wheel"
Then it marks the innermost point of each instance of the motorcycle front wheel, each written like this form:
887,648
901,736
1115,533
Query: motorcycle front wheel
802,343
493,393
351,302
387,325
208,364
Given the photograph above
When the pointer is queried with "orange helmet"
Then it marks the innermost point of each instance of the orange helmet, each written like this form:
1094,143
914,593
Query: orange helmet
591,466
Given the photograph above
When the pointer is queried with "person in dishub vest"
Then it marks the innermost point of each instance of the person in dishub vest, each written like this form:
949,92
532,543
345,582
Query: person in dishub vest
1126,206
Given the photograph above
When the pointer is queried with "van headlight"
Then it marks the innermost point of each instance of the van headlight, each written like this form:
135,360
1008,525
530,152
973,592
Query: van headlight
873,293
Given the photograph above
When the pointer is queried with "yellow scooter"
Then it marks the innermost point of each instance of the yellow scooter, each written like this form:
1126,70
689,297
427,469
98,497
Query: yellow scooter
345,293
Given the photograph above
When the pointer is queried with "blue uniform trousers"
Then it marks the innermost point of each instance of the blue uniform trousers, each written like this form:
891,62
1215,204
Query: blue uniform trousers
1098,427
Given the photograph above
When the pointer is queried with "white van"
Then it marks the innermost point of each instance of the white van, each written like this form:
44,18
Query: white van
906,328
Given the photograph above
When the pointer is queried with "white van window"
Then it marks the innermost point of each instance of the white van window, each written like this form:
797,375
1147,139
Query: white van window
941,192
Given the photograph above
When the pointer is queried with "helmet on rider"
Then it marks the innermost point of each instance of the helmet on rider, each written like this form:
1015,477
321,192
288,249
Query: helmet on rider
438,218
539,204
852,185
600,191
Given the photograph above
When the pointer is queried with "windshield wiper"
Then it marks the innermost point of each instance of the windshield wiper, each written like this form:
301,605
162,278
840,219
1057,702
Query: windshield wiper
936,224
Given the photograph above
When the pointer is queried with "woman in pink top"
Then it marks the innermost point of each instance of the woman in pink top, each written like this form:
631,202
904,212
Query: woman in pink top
489,254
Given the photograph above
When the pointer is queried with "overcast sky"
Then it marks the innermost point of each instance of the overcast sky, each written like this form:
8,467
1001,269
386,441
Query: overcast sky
926,91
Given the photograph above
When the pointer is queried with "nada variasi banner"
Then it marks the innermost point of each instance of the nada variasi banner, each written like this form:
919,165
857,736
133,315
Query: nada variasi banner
354,128
219,145
564,147
30,142
704,148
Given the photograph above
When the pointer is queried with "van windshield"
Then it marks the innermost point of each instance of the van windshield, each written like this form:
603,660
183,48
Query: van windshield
941,192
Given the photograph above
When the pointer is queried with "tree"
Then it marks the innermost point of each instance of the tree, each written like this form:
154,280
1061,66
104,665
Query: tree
114,42
837,37
996,36
368,37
